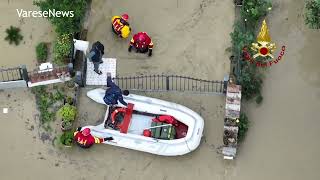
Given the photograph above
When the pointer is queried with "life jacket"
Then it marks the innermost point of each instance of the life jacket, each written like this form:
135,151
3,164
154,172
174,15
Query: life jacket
167,119
86,141
147,44
120,26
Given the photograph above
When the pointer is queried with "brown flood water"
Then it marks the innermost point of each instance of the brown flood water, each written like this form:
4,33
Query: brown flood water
33,30
281,143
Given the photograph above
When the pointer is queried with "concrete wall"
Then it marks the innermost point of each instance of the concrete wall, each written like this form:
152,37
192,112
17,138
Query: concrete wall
13,84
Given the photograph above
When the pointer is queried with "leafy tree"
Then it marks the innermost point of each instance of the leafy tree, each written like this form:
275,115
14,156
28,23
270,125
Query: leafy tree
312,14
13,35
65,25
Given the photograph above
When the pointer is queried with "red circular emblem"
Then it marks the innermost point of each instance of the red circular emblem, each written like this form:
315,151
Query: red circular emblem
264,51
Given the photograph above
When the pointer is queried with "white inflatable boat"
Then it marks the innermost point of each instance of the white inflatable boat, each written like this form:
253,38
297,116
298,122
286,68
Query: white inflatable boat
167,138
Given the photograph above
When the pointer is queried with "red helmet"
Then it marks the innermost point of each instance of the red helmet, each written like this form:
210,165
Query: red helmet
86,131
125,17
141,38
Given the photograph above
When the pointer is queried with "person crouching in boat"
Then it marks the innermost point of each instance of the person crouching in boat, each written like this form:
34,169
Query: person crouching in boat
120,25
85,140
142,43
113,93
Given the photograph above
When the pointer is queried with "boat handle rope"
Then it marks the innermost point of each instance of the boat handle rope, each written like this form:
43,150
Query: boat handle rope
187,144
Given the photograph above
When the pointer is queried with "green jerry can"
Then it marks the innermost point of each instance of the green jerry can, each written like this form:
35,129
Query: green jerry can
155,132
168,132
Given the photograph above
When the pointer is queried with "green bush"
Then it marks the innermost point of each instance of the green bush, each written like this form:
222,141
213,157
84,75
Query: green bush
251,82
312,14
259,99
43,103
66,138
68,112
244,35
13,35
41,52
62,48
65,25
253,10
58,96
241,37
243,125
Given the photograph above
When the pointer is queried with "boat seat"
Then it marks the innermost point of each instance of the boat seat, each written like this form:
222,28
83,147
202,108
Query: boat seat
165,132
124,126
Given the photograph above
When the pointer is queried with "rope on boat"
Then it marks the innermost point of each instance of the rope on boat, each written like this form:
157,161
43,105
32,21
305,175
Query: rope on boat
187,144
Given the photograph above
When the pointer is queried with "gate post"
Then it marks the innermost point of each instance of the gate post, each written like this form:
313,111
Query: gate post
167,83
225,83
24,73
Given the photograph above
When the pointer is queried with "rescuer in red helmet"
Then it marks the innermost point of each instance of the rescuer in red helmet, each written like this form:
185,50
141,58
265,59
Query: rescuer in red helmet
85,140
120,25
142,43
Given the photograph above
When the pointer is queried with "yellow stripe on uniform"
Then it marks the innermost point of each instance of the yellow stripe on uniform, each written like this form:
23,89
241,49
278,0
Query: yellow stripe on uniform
97,140
114,17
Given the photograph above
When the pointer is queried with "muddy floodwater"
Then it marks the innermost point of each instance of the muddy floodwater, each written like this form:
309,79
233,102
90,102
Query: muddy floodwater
190,39
33,30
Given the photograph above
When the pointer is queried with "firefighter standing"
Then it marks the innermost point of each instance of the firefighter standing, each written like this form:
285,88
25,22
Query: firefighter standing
85,140
142,43
120,25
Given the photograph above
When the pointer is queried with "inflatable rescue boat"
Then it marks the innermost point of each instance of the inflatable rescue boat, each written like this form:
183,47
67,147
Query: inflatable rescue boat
150,125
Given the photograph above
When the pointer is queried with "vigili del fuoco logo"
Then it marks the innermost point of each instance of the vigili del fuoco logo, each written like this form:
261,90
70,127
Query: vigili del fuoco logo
263,48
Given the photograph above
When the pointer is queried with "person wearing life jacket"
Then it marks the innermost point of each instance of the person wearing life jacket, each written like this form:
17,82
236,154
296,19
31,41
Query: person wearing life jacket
113,93
142,43
84,139
120,25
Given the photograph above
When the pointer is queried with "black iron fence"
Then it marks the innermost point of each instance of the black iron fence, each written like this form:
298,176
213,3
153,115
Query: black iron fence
169,83
11,74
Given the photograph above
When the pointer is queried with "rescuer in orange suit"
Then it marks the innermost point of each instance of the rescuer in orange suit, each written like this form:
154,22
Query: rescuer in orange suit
142,43
120,25
85,140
